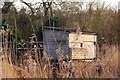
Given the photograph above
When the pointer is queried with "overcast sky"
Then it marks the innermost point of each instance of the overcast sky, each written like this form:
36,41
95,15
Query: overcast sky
113,3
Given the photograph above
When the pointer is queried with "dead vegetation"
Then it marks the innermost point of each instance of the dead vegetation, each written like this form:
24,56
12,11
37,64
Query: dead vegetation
106,66
30,65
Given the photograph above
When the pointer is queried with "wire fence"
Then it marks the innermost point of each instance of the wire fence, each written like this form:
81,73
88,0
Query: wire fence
26,55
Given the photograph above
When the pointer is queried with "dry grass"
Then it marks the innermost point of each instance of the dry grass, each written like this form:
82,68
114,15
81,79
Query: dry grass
41,68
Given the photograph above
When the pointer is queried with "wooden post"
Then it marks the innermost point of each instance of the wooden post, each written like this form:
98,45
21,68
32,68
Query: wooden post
0,53
5,58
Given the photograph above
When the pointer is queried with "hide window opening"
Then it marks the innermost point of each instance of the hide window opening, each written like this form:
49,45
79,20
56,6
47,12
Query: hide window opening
94,43
81,45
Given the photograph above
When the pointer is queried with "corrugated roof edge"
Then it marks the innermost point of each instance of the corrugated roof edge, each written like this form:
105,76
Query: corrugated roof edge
68,30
